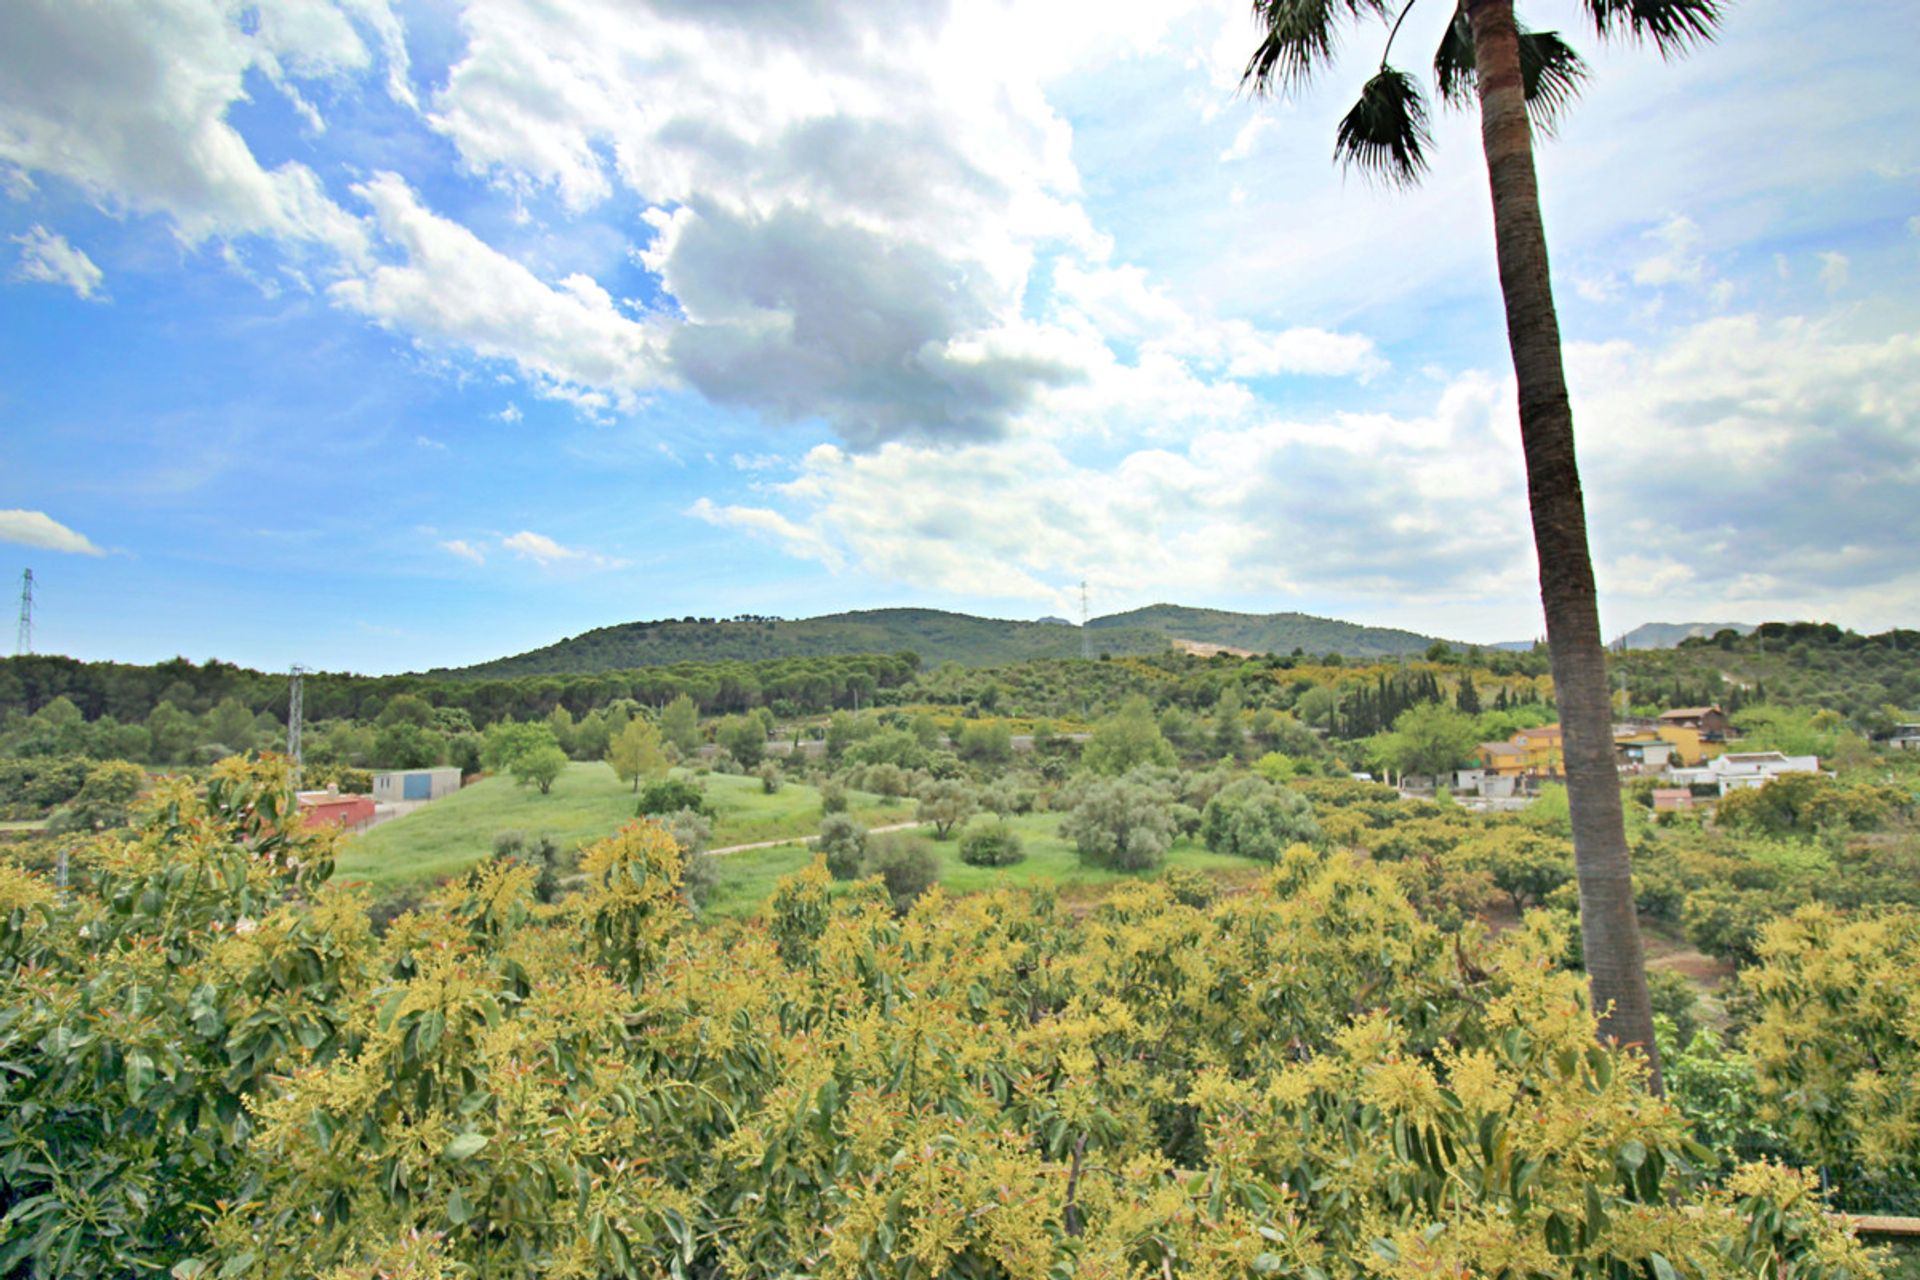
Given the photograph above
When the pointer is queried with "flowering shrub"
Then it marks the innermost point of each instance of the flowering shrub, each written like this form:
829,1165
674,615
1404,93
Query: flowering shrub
218,1070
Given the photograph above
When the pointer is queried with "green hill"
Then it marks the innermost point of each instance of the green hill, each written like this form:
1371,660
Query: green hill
1264,632
938,636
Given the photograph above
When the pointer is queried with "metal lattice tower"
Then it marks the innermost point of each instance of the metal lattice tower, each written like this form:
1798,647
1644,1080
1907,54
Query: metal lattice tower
296,711
23,639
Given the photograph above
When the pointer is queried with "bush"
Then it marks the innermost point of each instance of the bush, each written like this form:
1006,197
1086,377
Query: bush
1674,998
105,799
833,796
1121,826
906,864
1254,818
770,777
690,829
1190,888
670,795
990,842
539,853
886,780
843,842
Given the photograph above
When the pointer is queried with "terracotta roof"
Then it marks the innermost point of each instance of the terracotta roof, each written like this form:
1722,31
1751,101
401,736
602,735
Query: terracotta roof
1500,748
1689,713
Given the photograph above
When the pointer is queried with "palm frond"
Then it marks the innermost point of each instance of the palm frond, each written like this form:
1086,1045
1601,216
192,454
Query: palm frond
1299,40
1550,71
1385,135
1674,26
1453,62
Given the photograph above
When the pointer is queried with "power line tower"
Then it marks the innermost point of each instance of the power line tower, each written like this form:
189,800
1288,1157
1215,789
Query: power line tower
1086,637
296,711
23,640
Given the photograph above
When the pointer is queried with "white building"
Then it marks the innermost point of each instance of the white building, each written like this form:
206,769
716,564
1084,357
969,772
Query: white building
415,784
1906,737
1740,769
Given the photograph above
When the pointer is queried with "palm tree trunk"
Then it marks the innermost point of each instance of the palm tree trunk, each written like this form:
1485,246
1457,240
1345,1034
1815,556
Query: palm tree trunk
1616,967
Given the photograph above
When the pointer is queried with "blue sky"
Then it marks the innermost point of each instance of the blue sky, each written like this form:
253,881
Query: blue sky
382,335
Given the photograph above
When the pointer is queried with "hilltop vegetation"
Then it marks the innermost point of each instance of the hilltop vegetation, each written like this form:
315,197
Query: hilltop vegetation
937,636
1261,632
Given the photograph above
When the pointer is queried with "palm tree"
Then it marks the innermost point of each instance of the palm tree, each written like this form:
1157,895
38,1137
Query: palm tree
1522,80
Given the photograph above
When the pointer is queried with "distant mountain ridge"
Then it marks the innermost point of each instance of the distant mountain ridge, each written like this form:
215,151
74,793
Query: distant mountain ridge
939,636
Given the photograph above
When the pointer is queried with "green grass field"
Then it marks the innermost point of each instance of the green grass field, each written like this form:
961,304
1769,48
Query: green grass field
587,803
747,878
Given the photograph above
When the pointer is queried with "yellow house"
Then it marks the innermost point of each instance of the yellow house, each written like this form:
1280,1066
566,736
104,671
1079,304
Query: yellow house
1698,734
1531,752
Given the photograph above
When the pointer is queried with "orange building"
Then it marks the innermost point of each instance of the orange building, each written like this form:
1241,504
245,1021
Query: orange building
334,808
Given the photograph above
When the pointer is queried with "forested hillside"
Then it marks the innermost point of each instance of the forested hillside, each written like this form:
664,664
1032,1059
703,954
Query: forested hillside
937,636
1262,632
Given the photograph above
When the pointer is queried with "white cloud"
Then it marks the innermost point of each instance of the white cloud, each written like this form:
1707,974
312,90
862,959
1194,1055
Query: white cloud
38,529
547,553
1679,260
796,540
1833,271
569,340
509,415
465,550
48,258
1276,506
128,99
1743,464
1248,139
428,442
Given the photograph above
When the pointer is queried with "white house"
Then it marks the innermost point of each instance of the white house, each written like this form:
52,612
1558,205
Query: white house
415,784
1906,737
1739,769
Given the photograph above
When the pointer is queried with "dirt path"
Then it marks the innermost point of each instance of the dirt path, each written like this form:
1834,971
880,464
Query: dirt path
775,844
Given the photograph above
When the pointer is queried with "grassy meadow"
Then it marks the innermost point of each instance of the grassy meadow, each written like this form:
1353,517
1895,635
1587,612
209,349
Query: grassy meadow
747,878
588,803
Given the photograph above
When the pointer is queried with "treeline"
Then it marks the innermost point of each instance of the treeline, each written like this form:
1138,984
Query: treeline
130,693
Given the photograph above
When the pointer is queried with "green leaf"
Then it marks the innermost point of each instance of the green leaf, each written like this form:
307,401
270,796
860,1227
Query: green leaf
1633,1153
464,1145
1662,1269
458,1210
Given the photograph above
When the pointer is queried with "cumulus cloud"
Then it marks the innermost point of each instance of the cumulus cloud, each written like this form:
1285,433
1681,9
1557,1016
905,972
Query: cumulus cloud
451,288
842,205
547,553
1277,506
1743,463
1776,459
38,529
128,99
464,549
49,259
